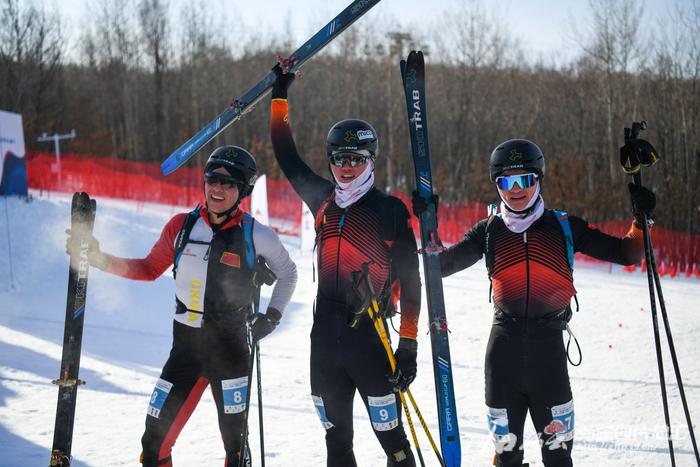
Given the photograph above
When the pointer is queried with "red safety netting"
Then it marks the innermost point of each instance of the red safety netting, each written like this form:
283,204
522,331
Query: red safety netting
676,253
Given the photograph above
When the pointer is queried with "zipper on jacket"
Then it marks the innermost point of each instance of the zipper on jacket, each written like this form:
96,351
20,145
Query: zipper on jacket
527,276
206,254
341,223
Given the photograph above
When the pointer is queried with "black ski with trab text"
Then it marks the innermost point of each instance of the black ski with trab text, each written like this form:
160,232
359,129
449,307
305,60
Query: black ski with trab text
82,220
413,76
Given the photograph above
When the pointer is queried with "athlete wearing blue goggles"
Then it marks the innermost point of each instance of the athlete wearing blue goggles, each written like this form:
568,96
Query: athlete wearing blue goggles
522,180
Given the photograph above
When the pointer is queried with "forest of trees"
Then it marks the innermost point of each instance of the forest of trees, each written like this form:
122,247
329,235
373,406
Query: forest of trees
143,77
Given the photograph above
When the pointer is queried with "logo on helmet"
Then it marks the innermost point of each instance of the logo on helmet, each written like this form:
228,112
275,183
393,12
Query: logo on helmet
350,136
515,156
365,134
231,153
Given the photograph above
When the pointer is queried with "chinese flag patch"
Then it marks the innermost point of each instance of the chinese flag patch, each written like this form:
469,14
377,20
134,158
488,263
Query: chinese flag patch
231,259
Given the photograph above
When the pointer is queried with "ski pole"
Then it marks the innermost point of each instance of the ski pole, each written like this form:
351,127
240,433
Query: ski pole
244,434
372,308
651,266
425,428
652,272
381,331
672,348
633,155
260,415
260,406
256,305
657,338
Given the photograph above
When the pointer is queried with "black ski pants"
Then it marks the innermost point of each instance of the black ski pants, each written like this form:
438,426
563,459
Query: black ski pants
215,354
526,371
345,360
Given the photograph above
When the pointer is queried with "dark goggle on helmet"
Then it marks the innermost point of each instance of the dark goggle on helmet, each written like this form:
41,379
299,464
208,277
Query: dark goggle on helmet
239,163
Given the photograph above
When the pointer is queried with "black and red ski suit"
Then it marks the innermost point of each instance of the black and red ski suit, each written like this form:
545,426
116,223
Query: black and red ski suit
375,229
526,362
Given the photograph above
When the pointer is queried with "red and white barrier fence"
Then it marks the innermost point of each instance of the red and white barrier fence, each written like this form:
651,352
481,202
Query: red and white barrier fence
677,254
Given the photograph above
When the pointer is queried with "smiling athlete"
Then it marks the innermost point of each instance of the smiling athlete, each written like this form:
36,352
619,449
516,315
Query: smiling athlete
355,224
529,252
214,287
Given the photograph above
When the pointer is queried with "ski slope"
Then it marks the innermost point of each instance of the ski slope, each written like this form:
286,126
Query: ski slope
619,417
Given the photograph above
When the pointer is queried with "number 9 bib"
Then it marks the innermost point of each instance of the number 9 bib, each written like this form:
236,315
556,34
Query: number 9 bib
383,412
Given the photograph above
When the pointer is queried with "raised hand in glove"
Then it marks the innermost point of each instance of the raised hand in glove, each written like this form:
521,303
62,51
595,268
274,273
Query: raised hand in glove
406,366
264,324
420,205
282,83
96,257
643,202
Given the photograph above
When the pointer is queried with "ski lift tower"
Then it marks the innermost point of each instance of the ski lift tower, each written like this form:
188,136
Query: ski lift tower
56,138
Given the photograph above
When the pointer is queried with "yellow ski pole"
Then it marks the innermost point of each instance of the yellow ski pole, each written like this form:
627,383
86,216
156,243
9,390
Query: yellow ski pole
373,310
381,331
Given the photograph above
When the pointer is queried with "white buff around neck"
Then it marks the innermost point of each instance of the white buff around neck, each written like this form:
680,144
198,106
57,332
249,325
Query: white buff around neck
518,223
348,193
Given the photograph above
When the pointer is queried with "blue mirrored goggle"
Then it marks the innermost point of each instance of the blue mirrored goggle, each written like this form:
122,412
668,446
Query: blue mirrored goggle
522,180
354,160
213,179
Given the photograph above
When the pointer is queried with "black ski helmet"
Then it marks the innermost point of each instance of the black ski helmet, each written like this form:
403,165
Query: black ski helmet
516,154
352,135
239,163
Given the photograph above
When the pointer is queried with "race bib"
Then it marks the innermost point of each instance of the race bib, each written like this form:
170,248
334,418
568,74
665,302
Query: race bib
321,411
562,424
158,397
235,393
383,412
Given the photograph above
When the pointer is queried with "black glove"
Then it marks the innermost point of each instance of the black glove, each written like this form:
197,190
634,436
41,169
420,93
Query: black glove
406,366
282,83
264,324
95,256
643,202
420,205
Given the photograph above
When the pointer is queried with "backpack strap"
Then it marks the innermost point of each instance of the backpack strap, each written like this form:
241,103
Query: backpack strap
248,223
563,219
262,274
184,235
489,255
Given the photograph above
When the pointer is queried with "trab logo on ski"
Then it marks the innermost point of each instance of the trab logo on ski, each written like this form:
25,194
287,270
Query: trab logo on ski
81,283
417,121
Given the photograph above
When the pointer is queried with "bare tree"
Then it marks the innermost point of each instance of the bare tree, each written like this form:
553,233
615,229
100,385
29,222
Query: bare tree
155,31
614,49
477,46
31,48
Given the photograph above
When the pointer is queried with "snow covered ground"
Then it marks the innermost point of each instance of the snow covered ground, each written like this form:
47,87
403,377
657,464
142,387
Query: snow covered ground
619,417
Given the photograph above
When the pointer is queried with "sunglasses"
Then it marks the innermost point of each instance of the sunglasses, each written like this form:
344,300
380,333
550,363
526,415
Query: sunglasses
523,181
213,179
339,160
